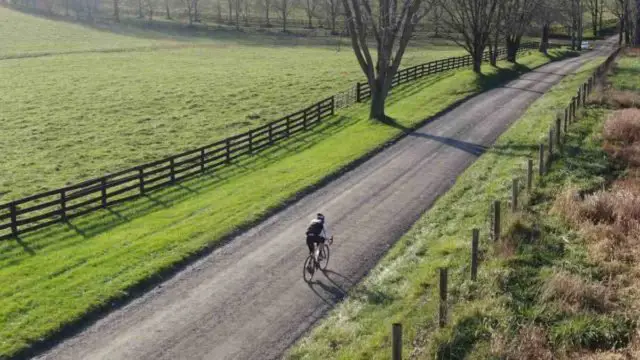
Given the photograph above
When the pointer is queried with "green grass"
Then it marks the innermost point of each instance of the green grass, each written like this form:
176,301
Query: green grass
70,117
359,328
55,276
626,75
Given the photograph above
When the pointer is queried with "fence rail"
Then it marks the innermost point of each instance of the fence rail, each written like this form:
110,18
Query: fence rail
60,205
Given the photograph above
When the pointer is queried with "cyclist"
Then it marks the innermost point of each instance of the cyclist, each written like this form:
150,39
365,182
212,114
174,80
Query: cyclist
316,232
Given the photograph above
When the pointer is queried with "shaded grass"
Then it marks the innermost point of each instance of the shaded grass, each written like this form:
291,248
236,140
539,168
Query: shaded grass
52,278
360,329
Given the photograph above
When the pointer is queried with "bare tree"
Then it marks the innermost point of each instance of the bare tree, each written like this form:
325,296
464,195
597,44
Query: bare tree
392,31
189,4
620,8
548,12
284,8
265,6
116,10
246,11
332,9
230,3
595,7
518,15
167,9
237,6
497,33
474,20
310,10
436,19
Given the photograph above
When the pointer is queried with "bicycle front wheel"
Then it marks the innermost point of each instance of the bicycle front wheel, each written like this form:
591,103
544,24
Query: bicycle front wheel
323,259
309,269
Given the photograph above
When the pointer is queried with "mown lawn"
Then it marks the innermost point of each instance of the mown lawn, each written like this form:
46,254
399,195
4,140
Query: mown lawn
69,117
360,328
54,277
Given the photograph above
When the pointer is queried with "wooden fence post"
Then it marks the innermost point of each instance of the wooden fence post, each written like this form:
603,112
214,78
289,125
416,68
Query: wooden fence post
304,119
172,170
558,132
550,144
584,95
496,220
529,175
579,96
270,133
141,176
575,106
228,148
514,195
14,218
288,128
396,335
443,297
358,99
103,184
541,160
202,158
566,120
333,105
250,142
475,235
63,205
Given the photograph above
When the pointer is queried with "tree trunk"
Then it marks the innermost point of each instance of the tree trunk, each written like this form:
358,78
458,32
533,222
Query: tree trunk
196,14
230,11
378,98
477,64
237,14
140,14
116,11
544,42
284,17
621,31
166,5
513,44
637,12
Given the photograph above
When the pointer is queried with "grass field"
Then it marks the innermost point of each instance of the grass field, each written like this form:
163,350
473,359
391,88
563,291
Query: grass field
360,327
69,117
54,277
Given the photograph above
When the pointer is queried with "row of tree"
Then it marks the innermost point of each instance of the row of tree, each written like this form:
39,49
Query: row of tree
481,25
389,25
312,13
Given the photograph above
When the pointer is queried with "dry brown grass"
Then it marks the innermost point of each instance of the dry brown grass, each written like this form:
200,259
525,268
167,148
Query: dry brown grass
622,136
574,293
631,352
617,99
529,344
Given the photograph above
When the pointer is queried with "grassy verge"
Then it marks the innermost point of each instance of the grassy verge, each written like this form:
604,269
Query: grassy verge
406,280
70,117
55,277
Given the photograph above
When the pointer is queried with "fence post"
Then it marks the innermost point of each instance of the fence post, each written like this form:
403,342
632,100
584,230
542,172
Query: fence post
103,183
443,297
63,205
202,156
566,120
558,132
529,174
304,119
270,133
172,170
333,105
141,176
396,334
541,160
288,128
475,235
250,142
575,107
584,95
496,220
228,148
14,218
514,195
550,145
357,92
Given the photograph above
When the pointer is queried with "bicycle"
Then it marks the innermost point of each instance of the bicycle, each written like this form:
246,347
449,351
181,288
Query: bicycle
319,259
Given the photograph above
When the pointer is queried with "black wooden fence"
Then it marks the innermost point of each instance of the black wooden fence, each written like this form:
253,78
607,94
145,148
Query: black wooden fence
41,210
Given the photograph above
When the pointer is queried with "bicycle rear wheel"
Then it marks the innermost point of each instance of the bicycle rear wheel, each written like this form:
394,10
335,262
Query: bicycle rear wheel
309,269
323,259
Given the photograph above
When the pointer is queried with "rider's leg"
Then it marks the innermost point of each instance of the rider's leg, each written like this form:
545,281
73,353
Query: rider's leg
310,243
